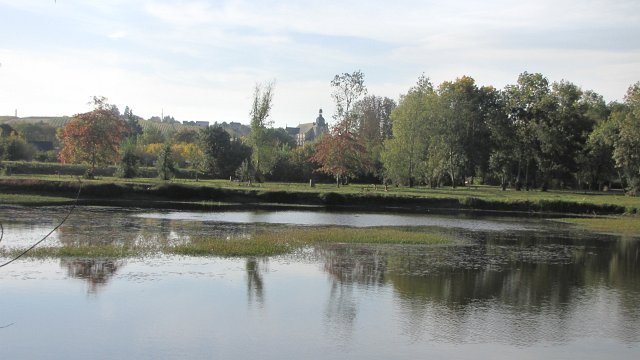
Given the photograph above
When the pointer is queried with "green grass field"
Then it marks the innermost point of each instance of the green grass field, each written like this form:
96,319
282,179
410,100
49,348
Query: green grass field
33,199
484,193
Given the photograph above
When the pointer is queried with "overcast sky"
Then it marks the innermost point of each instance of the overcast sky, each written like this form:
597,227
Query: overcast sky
200,60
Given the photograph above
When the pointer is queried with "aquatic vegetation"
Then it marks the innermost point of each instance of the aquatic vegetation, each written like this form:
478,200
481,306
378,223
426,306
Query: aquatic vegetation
624,225
85,250
282,241
266,242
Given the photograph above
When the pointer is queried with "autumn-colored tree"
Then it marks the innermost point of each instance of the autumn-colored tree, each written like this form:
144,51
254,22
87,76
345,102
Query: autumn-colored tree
94,137
341,154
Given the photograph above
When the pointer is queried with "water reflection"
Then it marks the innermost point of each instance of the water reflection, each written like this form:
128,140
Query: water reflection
255,284
96,272
517,288
520,293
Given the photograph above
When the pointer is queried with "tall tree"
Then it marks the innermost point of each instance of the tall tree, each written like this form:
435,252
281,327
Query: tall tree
131,123
262,144
459,130
627,145
406,150
503,158
166,163
93,137
528,103
561,134
129,164
373,123
222,155
347,89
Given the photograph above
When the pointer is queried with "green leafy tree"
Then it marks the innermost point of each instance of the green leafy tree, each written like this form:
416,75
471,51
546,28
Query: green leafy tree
185,135
129,165
222,155
595,159
347,89
373,122
406,150
166,163
14,147
196,159
152,135
627,145
458,130
502,141
131,123
527,104
263,145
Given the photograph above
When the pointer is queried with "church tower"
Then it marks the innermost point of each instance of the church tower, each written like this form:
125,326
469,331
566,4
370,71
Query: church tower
320,120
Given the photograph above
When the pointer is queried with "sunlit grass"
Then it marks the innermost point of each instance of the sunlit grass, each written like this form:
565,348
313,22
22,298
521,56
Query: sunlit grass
32,199
624,225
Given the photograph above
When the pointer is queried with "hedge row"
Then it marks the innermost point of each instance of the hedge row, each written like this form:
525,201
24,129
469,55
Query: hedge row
40,168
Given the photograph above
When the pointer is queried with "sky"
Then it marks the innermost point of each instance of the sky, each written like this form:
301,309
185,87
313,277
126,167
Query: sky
201,60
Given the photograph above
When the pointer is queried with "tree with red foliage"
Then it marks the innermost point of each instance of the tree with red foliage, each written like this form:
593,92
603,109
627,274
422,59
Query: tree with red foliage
94,137
341,154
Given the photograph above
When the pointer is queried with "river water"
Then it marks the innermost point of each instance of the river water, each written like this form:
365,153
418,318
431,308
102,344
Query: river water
518,288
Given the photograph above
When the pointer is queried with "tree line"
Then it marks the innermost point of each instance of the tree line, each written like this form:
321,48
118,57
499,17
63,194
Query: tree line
530,135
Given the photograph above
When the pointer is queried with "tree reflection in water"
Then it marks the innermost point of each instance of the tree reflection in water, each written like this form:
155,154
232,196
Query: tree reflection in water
97,272
348,267
255,285
519,289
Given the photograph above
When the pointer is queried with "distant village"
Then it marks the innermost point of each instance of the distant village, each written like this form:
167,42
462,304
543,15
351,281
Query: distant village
301,134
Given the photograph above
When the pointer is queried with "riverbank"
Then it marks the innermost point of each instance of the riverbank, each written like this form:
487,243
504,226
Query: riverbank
144,192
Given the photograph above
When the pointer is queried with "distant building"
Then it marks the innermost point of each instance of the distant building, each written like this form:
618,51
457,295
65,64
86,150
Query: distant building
196,123
306,132
235,126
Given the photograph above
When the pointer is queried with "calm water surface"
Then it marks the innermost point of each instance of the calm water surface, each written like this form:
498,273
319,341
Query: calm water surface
520,288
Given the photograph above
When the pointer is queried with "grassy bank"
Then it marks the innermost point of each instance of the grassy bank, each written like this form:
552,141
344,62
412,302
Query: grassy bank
262,243
622,225
367,196
30,199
